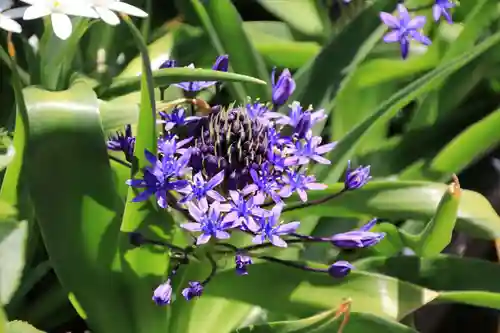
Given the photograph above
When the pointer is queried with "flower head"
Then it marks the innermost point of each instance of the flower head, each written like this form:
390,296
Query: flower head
199,189
442,8
271,230
124,142
244,211
283,88
358,238
176,118
356,178
208,222
106,8
404,28
242,261
7,16
163,294
340,269
195,289
59,11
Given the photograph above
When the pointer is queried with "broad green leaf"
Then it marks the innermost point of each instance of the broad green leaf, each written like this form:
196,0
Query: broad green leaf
304,16
468,146
13,237
463,280
3,321
327,322
318,89
18,326
304,293
438,232
117,114
403,200
223,24
167,76
350,143
67,157
143,267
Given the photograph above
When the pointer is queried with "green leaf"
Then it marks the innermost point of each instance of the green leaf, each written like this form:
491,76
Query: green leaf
116,114
355,138
303,292
403,200
3,321
464,280
327,323
7,150
143,267
167,76
223,24
438,232
18,326
73,194
13,237
304,16
467,147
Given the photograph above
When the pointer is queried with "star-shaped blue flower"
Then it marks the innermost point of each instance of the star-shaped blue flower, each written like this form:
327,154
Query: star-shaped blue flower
404,28
199,189
296,181
442,8
272,230
310,149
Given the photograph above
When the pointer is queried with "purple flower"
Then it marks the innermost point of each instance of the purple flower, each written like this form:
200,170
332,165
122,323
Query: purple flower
275,139
242,212
261,112
280,163
199,189
442,8
242,262
264,184
282,89
158,178
195,289
163,294
356,178
404,28
124,142
208,222
340,269
358,238
271,229
311,149
302,121
168,64
176,118
296,181
221,64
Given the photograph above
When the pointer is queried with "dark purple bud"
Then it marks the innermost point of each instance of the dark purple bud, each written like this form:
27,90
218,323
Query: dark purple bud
284,88
340,269
304,125
221,63
136,238
356,239
356,178
163,294
242,262
195,289
169,64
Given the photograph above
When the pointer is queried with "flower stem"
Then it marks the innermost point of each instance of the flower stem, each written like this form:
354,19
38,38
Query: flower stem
293,264
214,268
122,162
315,202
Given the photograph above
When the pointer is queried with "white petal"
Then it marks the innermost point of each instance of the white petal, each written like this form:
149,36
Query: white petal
4,4
127,9
15,13
31,2
35,12
107,16
9,24
61,24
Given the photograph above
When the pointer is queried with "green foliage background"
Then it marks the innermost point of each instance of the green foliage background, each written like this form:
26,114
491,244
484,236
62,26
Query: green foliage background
65,208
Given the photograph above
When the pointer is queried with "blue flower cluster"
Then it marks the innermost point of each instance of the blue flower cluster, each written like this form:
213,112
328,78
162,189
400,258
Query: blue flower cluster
405,28
231,169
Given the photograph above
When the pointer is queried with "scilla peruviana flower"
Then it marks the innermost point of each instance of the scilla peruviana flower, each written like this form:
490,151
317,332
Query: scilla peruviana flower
7,15
59,11
106,8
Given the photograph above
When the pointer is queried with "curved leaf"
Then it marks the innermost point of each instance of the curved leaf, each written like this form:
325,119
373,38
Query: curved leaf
75,201
327,322
303,292
403,200
18,326
167,76
463,280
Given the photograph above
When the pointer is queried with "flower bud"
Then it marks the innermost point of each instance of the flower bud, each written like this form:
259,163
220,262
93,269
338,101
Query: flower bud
169,64
284,88
356,178
340,269
195,289
221,63
163,294
242,262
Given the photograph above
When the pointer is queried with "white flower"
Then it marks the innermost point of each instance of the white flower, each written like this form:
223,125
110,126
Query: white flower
105,10
7,16
59,11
